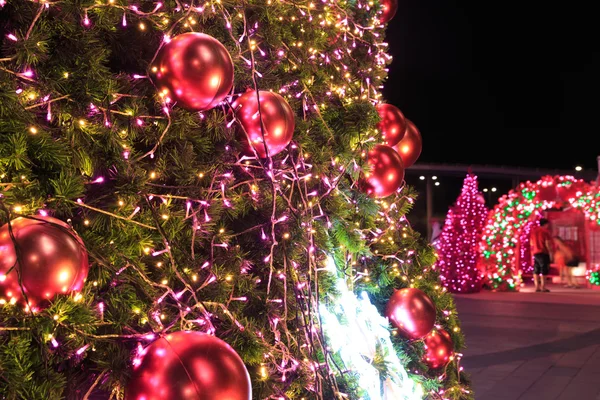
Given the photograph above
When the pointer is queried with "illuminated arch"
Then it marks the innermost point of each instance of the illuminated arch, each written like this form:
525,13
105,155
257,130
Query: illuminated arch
510,220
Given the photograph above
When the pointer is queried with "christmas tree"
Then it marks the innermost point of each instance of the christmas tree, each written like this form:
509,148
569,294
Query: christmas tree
196,203
457,247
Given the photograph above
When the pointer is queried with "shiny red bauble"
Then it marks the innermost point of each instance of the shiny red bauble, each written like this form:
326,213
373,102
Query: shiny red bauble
389,7
189,365
411,144
386,174
392,125
53,260
438,348
195,70
412,312
277,122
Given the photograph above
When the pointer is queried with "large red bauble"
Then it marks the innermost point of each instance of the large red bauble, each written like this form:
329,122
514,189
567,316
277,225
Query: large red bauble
389,8
189,366
387,172
195,70
392,124
277,119
438,348
410,146
412,312
53,260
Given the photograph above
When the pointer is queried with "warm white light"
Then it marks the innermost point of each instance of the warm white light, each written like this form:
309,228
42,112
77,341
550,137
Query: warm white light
493,189
485,190
422,178
357,332
578,168
434,177
437,184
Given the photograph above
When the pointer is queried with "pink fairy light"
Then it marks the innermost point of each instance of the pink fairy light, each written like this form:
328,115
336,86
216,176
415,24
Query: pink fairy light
100,179
28,73
12,37
54,343
82,349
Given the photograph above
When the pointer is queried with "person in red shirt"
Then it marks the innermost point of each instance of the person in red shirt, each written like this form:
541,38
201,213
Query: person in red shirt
541,248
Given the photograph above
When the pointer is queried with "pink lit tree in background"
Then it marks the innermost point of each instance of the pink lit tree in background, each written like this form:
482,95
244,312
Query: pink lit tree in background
457,247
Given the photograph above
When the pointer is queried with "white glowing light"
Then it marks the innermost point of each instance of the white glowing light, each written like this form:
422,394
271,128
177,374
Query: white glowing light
357,332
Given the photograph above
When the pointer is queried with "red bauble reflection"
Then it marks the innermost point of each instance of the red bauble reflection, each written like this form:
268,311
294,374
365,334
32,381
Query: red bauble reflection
189,366
195,70
386,174
54,260
392,124
571,189
277,118
438,348
389,8
410,146
412,312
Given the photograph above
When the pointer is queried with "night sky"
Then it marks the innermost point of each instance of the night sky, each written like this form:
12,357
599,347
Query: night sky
521,75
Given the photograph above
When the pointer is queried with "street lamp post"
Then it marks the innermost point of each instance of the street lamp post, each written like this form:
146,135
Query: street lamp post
429,195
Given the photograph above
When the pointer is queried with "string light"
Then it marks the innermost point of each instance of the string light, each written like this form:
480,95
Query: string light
457,247
356,332
349,84
508,224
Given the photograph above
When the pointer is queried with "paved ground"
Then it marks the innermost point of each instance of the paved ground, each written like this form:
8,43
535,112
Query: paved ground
533,346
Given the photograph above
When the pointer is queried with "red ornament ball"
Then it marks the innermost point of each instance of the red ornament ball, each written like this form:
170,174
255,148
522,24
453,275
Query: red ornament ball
412,312
389,9
392,124
53,260
386,174
277,119
438,348
409,147
195,70
189,365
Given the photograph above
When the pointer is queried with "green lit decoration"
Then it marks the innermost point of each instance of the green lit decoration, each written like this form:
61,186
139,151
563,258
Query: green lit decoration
507,220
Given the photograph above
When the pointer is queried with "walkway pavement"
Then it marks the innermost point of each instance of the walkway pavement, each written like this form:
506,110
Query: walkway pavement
532,346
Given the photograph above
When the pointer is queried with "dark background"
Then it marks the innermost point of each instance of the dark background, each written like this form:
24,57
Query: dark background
503,83
498,83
